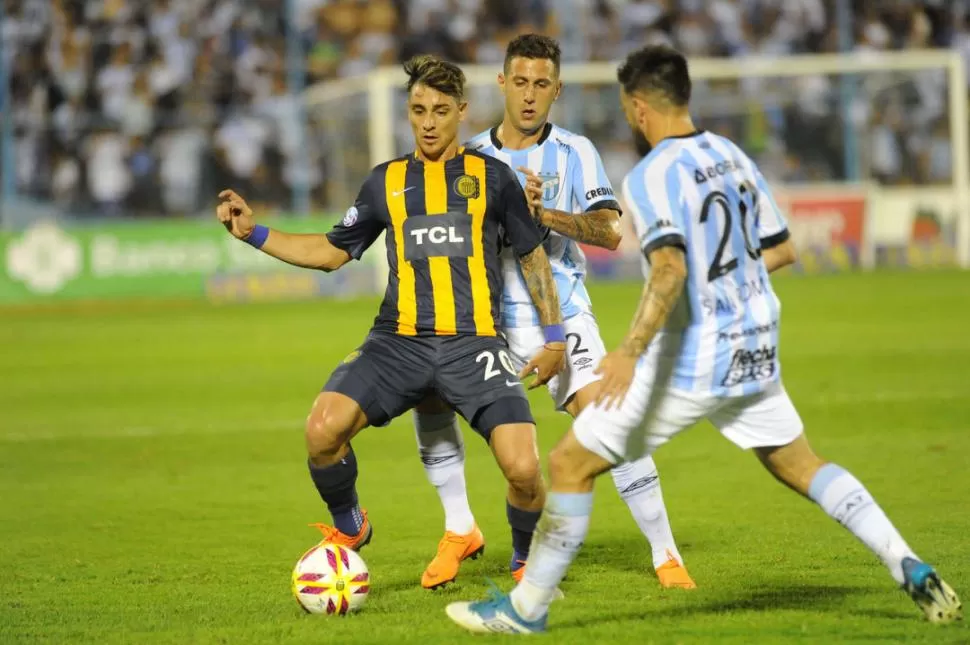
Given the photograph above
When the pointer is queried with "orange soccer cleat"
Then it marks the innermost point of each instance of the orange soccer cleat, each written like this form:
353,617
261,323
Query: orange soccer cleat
517,569
452,550
673,575
353,542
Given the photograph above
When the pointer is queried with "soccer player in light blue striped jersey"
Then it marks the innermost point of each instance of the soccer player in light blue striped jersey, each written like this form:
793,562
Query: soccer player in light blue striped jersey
703,345
572,197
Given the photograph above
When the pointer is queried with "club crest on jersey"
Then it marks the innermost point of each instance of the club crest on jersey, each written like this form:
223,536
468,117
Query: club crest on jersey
467,186
550,186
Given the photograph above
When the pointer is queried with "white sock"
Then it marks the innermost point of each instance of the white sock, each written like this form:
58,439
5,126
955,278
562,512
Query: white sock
558,538
848,502
442,452
638,483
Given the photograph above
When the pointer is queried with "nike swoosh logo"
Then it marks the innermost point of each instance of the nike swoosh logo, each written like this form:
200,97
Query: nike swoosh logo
511,383
401,192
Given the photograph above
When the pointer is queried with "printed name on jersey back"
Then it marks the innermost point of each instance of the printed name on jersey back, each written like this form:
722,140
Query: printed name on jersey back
735,301
717,170
748,365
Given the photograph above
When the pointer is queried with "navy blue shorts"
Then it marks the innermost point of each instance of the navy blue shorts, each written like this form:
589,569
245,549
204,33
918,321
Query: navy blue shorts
390,374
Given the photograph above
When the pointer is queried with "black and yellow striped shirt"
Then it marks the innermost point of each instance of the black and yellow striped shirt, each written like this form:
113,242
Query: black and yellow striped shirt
444,222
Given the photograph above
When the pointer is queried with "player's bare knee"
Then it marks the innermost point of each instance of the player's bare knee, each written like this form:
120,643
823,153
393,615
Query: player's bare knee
328,430
522,474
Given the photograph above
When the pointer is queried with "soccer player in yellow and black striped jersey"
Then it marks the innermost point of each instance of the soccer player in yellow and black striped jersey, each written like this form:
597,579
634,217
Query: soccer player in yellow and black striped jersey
445,212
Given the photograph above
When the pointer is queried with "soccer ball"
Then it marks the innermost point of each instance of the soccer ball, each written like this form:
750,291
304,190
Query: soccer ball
330,579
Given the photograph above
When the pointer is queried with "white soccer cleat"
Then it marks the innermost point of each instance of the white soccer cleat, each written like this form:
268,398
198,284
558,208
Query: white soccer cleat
930,593
493,616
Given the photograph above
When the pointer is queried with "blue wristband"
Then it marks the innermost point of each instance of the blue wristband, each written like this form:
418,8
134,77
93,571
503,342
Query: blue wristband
257,237
554,333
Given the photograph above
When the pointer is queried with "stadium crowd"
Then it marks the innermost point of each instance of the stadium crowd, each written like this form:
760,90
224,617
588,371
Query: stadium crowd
150,106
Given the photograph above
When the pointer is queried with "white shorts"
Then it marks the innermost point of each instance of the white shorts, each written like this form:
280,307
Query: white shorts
651,414
584,349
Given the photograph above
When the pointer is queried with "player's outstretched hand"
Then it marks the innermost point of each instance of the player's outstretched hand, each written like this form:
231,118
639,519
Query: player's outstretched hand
617,369
546,364
533,192
235,214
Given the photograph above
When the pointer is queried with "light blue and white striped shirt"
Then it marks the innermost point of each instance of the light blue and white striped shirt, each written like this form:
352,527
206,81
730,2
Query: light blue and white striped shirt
574,181
703,193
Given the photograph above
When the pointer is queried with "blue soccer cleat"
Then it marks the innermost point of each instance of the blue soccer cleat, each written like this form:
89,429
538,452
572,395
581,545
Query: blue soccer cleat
493,616
936,598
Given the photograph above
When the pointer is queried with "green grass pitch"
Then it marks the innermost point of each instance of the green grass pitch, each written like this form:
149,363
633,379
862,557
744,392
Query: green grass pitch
153,486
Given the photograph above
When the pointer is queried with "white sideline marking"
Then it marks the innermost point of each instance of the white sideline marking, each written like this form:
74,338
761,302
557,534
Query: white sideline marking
295,424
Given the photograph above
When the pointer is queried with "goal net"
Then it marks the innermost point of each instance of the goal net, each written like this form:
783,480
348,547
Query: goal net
867,153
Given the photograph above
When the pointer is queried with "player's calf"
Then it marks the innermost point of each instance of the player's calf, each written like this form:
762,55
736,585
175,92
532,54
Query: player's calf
515,452
562,527
794,465
842,497
442,452
517,456
333,421
572,467
508,427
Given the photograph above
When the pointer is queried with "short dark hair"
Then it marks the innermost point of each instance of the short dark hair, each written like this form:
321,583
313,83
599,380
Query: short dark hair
657,69
535,47
437,74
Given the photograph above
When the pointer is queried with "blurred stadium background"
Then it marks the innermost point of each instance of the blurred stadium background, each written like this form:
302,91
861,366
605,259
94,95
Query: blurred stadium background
122,120
152,486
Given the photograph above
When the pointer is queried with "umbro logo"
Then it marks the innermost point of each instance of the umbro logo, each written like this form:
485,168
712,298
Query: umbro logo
429,460
643,482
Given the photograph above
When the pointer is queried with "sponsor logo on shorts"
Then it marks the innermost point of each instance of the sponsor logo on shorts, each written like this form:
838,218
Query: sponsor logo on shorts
431,236
748,365
583,363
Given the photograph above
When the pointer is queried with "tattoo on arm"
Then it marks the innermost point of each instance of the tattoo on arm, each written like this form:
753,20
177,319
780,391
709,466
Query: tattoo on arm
599,228
542,287
660,296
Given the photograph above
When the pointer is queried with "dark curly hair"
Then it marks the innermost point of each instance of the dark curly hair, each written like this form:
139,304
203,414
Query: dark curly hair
437,74
657,69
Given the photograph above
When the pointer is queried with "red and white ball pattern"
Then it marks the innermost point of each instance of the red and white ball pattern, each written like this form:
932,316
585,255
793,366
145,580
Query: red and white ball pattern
331,579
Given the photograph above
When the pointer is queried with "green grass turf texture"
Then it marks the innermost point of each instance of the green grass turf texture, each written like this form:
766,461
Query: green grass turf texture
154,488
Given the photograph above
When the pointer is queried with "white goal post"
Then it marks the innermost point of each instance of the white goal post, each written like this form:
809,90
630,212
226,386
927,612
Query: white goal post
383,111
